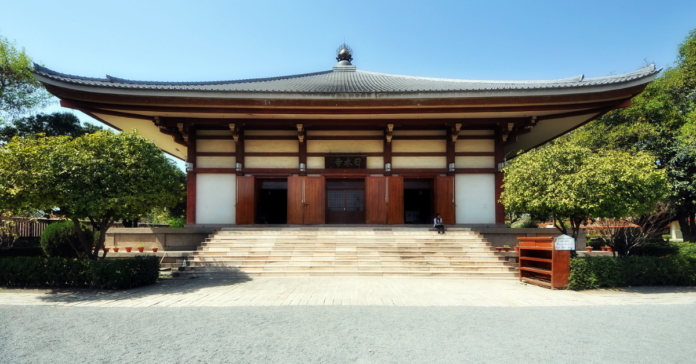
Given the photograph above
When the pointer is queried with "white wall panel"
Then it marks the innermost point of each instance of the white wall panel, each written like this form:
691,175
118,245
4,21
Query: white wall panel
215,145
215,198
344,146
474,162
215,162
474,145
416,146
272,162
271,146
419,162
475,198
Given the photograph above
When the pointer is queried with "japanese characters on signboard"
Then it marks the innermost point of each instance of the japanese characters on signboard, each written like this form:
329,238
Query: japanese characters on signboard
345,161
564,242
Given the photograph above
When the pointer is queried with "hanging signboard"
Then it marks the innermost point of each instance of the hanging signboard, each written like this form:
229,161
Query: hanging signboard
345,161
564,242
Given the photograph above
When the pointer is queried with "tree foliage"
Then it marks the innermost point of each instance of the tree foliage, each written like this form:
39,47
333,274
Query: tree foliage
662,122
100,177
20,93
573,184
56,124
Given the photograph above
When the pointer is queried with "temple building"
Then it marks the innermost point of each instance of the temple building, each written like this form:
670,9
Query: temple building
346,146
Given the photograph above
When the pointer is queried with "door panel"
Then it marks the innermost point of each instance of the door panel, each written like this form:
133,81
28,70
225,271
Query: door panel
246,200
315,200
375,200
444,199
395,200
295,205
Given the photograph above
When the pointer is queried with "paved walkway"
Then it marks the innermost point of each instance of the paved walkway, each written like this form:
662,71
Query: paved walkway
205,292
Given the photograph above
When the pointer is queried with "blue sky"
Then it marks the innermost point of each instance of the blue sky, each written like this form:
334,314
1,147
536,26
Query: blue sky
214,40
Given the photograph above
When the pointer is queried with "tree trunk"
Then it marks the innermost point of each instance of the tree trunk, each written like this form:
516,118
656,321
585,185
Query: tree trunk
686,224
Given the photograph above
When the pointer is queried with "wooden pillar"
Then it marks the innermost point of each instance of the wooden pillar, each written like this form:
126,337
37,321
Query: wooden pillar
387,155
499,158
239,150
191,178
303,155
450,151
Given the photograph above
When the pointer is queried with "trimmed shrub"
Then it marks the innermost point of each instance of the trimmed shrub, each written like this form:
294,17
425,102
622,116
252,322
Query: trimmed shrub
60,272
58,239
598,272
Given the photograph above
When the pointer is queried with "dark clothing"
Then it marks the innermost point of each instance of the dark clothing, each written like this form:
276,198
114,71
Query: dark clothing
440,229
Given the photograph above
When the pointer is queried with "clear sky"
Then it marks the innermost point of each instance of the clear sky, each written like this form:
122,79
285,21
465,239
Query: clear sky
218,40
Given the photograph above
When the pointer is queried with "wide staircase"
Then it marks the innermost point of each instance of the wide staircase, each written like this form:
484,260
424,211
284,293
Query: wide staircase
347,251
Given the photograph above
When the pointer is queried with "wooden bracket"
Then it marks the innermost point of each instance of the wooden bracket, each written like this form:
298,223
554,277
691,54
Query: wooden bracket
235,133
455,132
390,134
183,129
300,132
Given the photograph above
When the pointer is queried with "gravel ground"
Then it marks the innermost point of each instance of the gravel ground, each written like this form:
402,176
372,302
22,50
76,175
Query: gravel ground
315,334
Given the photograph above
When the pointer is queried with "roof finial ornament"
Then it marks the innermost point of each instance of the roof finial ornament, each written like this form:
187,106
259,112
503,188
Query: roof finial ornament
344,53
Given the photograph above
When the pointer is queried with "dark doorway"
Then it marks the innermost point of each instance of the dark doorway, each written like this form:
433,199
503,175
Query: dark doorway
418,201
273,202
345,202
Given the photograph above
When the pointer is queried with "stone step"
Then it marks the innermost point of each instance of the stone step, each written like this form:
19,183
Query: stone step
255,274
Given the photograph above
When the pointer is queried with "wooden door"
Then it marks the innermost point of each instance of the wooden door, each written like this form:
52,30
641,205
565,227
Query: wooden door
314,200
375,200
295,200
444,199
246,200
395,200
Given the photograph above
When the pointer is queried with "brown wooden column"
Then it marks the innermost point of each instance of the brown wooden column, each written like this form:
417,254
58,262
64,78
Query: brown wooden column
450,151
387,155
303,155
499,158
239,150
191,178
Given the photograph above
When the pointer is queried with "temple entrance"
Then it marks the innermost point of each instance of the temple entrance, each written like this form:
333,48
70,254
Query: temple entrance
418,201
345,201
272,207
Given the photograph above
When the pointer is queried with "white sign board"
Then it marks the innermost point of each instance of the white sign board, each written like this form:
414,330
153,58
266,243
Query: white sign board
564,242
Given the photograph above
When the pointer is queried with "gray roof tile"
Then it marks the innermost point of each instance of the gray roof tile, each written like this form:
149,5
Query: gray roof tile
347,81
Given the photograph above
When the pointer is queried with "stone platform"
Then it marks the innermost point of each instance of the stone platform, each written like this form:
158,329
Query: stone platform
348,251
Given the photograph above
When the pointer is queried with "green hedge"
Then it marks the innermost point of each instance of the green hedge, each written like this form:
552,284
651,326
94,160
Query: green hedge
60,272
598,272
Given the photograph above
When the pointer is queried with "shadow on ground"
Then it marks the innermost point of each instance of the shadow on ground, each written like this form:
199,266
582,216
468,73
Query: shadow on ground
658,289
185,284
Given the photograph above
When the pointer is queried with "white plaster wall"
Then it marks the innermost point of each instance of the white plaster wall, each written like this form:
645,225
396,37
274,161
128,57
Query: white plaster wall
344,146
474,162
474,145
215,198
419,132
215,145
214,132
476,132
271,146
271,132
215,162
375,162
416,146
419,162
311,133
272,162
475,198
315,162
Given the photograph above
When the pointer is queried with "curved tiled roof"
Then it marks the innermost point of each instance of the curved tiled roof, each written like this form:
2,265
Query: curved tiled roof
347,80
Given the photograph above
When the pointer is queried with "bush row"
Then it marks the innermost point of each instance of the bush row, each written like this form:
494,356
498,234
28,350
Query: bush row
61,272
597,272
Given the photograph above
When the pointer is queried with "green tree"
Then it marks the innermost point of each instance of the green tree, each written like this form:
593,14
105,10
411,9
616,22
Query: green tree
20,93
574,184
662,122
56,124
100,177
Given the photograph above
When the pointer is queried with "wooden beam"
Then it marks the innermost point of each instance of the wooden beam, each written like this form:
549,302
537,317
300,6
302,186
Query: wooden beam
191,177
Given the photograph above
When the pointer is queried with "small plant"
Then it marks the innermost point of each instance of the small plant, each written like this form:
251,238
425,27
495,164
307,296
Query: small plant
141,247
506,248
154,249
517,248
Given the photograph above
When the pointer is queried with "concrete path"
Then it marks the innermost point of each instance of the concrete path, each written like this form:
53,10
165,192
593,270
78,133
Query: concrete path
368,291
